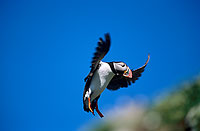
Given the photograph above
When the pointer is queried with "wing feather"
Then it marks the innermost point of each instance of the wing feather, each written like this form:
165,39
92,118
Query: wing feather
101,50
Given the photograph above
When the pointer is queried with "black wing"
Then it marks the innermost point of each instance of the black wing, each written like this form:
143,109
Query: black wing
121,81
101,50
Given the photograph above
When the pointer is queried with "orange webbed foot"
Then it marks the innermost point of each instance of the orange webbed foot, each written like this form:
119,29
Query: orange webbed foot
89,105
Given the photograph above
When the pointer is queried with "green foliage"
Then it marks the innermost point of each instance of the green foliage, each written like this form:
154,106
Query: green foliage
176,106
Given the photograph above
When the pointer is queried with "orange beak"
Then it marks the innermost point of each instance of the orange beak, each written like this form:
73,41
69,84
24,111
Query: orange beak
128,73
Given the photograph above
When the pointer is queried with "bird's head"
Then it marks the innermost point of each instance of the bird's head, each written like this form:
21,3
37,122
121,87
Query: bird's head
122,69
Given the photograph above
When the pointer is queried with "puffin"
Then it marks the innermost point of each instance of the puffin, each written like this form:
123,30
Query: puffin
110,75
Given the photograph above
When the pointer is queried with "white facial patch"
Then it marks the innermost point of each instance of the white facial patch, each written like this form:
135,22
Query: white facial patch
119,67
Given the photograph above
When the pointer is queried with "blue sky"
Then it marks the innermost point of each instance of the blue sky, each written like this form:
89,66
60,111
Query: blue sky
46,49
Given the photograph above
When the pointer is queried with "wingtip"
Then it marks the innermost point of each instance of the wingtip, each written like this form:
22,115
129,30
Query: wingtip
107,34
107,38
147,59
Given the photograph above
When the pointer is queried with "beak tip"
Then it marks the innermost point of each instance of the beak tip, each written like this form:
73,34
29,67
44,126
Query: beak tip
129,75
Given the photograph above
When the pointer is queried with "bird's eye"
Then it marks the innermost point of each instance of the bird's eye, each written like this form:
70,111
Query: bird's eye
123,65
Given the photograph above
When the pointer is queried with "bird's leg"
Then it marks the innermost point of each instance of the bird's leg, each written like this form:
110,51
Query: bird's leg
89,105
97,109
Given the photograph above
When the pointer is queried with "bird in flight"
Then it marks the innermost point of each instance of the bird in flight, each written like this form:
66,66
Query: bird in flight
110,75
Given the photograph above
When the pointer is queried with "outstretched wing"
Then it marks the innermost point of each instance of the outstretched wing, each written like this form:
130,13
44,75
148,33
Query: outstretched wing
121,81
101,50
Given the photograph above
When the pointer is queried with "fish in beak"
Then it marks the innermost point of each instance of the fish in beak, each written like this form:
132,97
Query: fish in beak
128,73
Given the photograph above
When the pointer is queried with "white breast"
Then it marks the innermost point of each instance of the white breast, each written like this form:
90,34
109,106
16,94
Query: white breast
100,80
